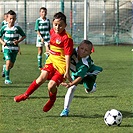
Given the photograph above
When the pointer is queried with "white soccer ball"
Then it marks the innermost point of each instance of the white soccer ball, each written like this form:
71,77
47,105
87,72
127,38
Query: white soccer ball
113,117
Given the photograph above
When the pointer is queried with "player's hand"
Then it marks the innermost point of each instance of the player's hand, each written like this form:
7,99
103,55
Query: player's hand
67,85
15,42
42,40
4,44
64,84
67,76
48,53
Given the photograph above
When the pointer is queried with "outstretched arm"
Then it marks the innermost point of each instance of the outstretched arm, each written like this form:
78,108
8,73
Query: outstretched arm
18,41
67,73
2,42
74,82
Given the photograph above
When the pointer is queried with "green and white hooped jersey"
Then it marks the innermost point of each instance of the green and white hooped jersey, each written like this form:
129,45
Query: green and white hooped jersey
11,34
43,27
83,67
4,22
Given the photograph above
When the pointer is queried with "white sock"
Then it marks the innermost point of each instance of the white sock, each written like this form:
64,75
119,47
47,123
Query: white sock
4,67
69,96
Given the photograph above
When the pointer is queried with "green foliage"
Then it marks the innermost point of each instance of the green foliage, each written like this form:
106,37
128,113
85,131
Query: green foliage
114,90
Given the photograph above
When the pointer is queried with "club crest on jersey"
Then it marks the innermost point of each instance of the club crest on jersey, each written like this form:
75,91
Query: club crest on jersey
46,66
58,41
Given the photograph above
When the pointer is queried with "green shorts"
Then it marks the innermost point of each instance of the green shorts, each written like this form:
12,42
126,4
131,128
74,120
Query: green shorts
90,78
89,81
10,55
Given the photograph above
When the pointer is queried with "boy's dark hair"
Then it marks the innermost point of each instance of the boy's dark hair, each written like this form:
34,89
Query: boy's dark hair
86,42
11,12
60,16
43,8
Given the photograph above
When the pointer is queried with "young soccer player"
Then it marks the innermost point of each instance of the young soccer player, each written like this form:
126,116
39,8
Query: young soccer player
42,27
4,22
83,72
58,63
10,40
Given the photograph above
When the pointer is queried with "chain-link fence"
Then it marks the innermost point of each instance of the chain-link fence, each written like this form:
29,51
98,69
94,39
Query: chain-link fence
108,21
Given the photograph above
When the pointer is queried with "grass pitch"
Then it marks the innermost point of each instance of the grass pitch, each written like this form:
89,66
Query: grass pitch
114,90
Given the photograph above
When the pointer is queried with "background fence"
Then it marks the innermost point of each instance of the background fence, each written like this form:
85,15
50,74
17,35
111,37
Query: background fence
108,21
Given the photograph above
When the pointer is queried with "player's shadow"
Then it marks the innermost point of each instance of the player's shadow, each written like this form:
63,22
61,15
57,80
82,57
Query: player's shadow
126,125
81,116
111,96
46,97
126,114
30,98
12,86
86,116
62,97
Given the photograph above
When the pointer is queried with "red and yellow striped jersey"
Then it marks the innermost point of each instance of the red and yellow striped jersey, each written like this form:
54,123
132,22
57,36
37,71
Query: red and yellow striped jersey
60,45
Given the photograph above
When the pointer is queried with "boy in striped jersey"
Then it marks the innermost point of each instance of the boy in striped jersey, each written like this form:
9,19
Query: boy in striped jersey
4,22
42,27
83,72
10,34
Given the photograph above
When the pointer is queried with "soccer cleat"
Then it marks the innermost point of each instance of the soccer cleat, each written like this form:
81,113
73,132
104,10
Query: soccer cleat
65,113
8,81
48,105
91,91
20,98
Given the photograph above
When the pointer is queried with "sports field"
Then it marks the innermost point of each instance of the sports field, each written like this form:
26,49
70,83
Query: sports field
114,90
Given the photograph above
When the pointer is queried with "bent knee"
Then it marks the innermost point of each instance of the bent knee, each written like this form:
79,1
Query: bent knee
52,86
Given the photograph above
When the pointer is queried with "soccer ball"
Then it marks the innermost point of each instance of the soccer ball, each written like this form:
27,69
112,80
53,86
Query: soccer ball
113,117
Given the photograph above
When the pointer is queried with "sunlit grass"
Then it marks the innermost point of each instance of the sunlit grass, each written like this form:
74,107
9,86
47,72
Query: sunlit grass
114,90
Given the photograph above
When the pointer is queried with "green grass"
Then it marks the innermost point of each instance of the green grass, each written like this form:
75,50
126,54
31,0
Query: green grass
114,90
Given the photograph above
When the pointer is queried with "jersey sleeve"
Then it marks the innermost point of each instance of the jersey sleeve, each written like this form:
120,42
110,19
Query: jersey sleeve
82,71
2,24
21,32
37,25
68,46
2,31
49,25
